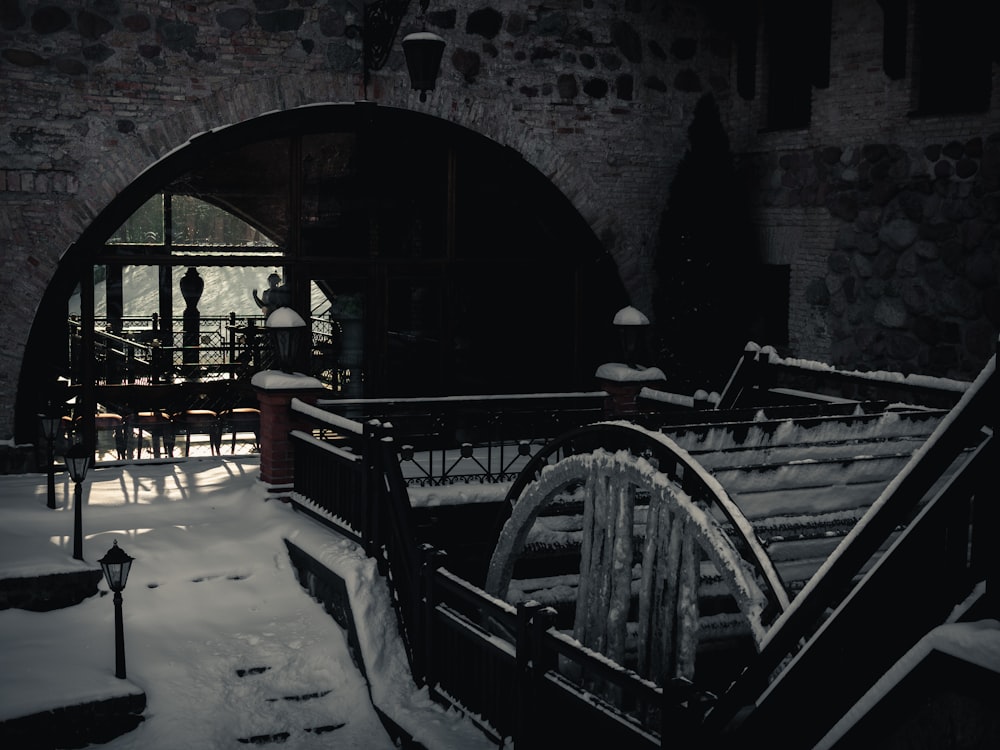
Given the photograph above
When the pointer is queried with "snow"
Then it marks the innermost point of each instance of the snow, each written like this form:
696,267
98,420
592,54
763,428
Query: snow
422,36
211,592
284,317
276,380
974,642
619,373
630,316
884,376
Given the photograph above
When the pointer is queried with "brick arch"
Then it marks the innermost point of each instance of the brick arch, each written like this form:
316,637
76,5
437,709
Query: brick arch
255,98
107,173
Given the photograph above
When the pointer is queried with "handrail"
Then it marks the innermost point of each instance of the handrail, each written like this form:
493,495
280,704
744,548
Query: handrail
948,441
760,369
913,587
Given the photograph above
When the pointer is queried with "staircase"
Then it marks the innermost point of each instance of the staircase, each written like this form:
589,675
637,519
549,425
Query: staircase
805,468
284,707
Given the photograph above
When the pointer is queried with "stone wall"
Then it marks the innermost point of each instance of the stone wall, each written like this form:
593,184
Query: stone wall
911,281
595,94
887,217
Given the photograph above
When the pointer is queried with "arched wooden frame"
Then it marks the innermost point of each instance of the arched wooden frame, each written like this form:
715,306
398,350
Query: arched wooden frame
675,530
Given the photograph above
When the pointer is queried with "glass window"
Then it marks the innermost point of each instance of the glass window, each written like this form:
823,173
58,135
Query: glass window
196,222
144,227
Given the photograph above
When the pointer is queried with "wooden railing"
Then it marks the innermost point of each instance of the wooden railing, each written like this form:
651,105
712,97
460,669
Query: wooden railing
945,550
505,665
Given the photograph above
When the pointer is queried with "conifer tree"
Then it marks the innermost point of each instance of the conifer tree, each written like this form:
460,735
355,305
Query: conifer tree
704,262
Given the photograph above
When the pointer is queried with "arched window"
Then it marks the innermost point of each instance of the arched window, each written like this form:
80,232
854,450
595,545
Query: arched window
427,259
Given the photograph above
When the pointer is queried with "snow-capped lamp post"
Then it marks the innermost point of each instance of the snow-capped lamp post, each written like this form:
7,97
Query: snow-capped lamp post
632,325
286,329
116,565
77,460
624,381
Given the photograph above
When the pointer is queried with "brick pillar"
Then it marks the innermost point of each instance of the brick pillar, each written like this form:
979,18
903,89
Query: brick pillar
623,384
275,391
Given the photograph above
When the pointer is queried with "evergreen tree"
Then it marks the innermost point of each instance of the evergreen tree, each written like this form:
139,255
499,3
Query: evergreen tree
704,262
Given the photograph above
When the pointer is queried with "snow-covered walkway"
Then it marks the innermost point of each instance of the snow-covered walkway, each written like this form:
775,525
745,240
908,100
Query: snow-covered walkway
219,635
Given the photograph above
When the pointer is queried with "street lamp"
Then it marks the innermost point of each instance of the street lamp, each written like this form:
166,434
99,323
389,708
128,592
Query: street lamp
631,325
116,565
50,428
287,329
77,462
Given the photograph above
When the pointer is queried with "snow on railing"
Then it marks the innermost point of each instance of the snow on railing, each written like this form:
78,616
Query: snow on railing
327,417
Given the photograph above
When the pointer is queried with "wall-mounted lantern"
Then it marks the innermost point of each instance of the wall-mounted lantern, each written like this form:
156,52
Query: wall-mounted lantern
423,51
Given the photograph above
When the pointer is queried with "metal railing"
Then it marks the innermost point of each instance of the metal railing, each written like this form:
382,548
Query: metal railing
144,352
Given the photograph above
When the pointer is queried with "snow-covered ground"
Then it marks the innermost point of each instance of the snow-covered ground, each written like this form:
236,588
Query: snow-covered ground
211,593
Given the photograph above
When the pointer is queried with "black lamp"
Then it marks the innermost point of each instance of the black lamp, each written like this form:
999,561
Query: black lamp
287,329
631,324
50,428
423,51
77,460
116,565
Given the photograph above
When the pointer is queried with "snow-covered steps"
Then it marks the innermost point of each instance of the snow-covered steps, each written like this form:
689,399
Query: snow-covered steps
282,707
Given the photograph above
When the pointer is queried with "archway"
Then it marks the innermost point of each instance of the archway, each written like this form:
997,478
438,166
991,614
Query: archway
457,265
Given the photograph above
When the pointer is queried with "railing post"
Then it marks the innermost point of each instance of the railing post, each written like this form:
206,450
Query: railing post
423,639
623,385
678,719
372,482
533,620
275,391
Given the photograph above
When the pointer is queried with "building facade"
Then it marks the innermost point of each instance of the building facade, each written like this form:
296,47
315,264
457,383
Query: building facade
869,144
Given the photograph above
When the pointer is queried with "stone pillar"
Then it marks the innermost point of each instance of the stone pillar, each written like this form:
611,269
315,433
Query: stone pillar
275,391
623,383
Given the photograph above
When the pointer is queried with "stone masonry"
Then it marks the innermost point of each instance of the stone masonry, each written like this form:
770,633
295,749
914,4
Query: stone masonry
887,221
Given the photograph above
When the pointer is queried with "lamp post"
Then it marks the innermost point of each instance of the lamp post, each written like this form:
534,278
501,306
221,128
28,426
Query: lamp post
116,565
50,428
286,328
77,462
631,325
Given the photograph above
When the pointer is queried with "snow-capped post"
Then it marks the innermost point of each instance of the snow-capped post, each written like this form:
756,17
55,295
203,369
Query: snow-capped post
275,391
624,382
532,662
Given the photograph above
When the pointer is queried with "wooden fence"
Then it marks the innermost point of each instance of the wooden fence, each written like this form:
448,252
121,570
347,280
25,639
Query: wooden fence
525,680
507,666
